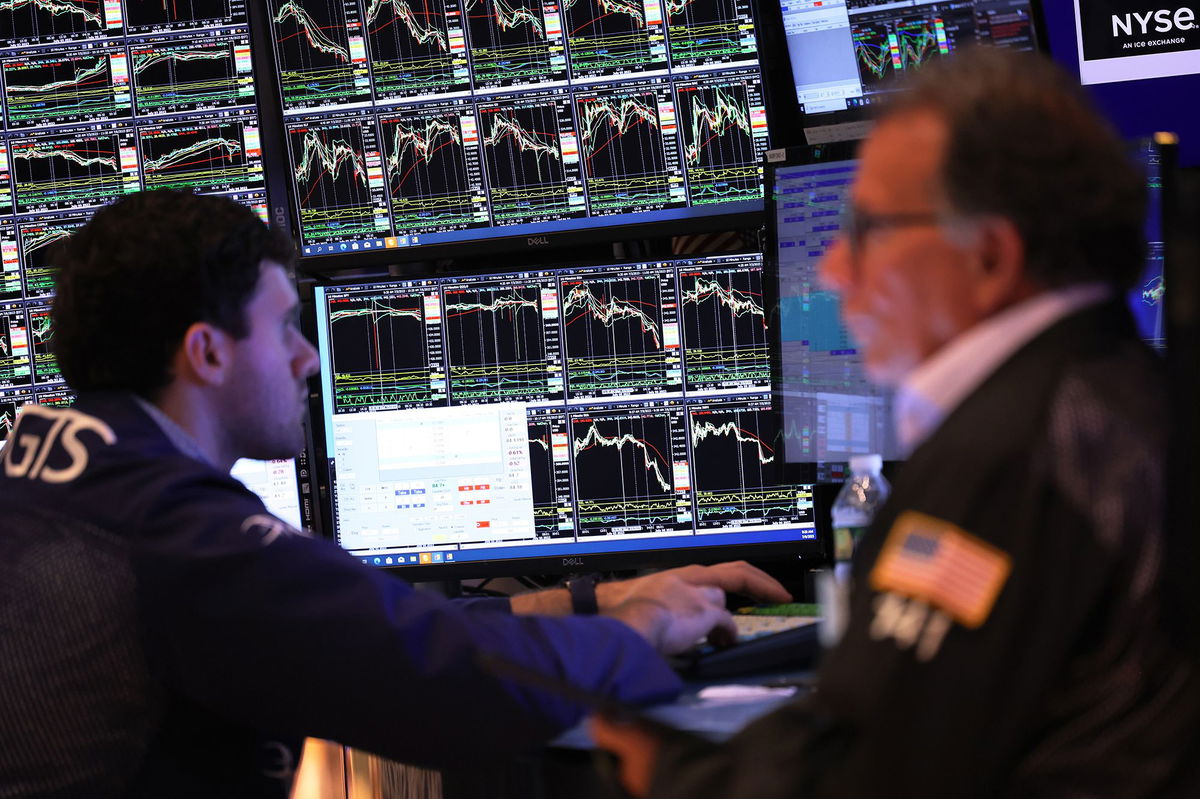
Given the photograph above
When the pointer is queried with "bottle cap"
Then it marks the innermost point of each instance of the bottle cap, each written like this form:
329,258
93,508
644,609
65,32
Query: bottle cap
866,463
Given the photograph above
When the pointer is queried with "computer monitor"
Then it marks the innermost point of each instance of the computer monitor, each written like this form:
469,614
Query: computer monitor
1147,299
513,121
829,410
845,53
99,100
551,419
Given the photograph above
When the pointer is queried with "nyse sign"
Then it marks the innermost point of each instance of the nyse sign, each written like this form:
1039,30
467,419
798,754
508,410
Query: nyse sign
1123,40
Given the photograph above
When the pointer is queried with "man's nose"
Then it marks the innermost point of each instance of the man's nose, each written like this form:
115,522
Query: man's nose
835,269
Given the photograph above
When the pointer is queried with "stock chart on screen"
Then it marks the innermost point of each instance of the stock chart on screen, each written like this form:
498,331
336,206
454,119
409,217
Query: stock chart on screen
844,53
830,411
478,119
554,412
102,98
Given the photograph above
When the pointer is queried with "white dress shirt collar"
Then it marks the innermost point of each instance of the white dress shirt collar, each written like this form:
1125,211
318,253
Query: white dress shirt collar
936,387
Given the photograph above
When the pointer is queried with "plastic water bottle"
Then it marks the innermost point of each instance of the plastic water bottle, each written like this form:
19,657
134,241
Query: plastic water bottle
862,495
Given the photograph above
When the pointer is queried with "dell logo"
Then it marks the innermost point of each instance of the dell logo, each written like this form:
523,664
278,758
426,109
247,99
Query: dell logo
572,561
1183,19
537,241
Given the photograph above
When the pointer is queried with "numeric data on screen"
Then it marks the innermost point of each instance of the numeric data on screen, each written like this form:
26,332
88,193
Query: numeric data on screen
554,406
100,99
502,118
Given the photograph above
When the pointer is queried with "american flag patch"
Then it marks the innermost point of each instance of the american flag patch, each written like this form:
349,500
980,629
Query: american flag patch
932,560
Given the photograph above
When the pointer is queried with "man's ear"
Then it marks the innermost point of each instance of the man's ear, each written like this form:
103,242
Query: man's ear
1002,277
205,355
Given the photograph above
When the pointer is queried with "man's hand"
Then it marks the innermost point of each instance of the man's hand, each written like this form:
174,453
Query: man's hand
736,577
635,748
673,615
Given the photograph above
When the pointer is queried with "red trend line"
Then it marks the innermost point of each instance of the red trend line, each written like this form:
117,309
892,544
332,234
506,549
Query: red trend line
414,165
592,21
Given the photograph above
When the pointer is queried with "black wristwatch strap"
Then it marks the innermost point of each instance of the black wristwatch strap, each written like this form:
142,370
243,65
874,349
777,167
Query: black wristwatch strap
583,594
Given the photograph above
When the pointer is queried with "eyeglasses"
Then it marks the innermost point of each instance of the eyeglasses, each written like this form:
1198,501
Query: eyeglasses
860,223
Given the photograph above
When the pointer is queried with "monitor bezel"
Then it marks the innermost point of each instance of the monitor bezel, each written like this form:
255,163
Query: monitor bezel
813,551
793,118
283,202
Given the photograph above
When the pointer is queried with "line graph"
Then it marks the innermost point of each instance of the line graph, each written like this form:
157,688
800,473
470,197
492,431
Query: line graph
710,32
531,159
736,466
148,16
338,176
500,346
16,368
384,352
630,471
79,170
10,409
417,48
724,328
44,21
41,330
434,171
611,37
203,156
621,334
549,466
724,136
630,162
320,53
208,73
514,43
37,239
886,48
62,88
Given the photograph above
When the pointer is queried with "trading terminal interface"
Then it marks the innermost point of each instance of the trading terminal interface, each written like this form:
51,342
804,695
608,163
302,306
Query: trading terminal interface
476,119
618,408
830,411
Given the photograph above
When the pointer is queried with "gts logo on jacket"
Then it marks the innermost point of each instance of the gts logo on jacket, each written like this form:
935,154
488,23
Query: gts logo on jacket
44,432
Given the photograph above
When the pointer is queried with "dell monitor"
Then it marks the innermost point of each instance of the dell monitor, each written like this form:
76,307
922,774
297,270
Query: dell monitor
551,419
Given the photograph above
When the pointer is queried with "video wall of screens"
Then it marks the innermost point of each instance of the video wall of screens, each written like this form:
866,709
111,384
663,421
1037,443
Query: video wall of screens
554,412
829,411
101,98
844,53
415,123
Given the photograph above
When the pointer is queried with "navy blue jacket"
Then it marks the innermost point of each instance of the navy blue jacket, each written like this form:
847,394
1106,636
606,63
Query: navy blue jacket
255,635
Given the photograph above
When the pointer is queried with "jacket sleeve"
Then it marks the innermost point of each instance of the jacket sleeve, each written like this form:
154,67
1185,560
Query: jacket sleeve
290,634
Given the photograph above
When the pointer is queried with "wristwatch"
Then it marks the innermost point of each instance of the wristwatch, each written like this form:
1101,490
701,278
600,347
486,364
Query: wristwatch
583,594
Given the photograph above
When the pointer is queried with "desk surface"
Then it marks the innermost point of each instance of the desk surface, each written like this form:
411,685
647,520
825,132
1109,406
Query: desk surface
714,718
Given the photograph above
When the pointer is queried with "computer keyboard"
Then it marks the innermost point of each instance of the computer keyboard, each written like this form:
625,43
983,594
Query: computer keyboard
765,643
